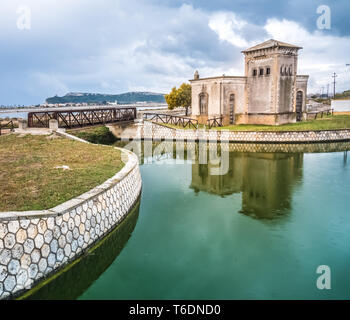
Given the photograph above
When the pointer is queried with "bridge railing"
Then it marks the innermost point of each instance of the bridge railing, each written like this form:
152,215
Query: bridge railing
321,112
171,119
80,118
215,122
9,125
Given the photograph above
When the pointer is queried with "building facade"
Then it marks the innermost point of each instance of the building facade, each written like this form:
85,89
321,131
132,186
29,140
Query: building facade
270,93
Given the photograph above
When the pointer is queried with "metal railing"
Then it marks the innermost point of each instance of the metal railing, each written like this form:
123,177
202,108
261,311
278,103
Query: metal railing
171,119
215,122
80,118
322,112
8,125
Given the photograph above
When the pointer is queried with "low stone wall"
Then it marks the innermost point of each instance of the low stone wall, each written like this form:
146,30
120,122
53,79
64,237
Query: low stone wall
34,244
156,131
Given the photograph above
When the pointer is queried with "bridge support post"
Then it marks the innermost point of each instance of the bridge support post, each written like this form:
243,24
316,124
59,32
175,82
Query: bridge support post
53,125
22,124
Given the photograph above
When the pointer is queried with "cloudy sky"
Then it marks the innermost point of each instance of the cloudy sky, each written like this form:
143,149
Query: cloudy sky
114,46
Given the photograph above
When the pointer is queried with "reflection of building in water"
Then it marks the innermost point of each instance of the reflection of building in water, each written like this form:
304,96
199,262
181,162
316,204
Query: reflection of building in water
265,180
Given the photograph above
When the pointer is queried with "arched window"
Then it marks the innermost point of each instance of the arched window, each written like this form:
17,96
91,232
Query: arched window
203,103
285,71
255,72
261,72
268,71
290,71
282,71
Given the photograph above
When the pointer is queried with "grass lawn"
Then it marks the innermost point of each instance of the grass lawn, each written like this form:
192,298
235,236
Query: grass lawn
30,181
325,123
97,134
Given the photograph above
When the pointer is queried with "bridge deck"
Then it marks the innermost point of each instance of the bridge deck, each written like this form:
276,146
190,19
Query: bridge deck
80,118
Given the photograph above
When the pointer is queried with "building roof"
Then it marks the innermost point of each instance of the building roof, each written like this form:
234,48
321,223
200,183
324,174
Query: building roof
271,44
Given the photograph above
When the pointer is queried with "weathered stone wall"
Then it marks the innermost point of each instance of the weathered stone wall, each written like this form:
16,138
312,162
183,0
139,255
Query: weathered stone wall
154,131
218,90
34,244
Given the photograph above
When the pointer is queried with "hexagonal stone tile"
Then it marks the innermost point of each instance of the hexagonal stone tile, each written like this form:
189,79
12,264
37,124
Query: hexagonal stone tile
13,266
69,237
64,227
24,223
42,265
62,241
56,232
3,272
77,220
87,237
21,235
33,271
65,216
25,261
82,228
9,241
74,245
75,233
87,225
72,213
97,229
32,231
89,214
39,241
17,251
50,223
35,256
45,250
80,241
13,226
1,244
42,227
60,254
28,246
9,283
48,235
70,224
67,249
3,230
22,277
93,222
51,259
59,220
54,245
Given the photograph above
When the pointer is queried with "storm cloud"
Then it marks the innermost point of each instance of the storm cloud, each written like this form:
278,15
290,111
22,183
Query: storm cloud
117,46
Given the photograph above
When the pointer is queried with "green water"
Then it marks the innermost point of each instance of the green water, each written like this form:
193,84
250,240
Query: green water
257,232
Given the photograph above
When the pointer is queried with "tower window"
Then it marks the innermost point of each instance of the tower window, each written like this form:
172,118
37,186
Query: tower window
255,73
268,71
261,72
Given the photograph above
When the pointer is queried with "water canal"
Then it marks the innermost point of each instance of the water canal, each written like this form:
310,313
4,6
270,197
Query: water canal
258,231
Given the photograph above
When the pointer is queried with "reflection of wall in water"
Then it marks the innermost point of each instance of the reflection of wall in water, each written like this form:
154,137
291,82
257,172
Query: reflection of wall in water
266,181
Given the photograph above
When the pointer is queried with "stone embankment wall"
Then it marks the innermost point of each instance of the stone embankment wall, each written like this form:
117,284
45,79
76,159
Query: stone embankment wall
155,131
34,244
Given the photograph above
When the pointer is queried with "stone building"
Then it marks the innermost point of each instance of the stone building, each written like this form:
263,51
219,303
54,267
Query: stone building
271,92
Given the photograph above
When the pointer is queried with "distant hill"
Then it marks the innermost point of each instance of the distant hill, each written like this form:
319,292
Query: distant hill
123,98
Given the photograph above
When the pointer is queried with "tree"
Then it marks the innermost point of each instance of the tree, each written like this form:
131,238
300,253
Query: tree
184,96
171,99
179,97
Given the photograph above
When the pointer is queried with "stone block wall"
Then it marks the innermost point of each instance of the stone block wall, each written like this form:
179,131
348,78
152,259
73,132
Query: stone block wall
155,131
34,244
